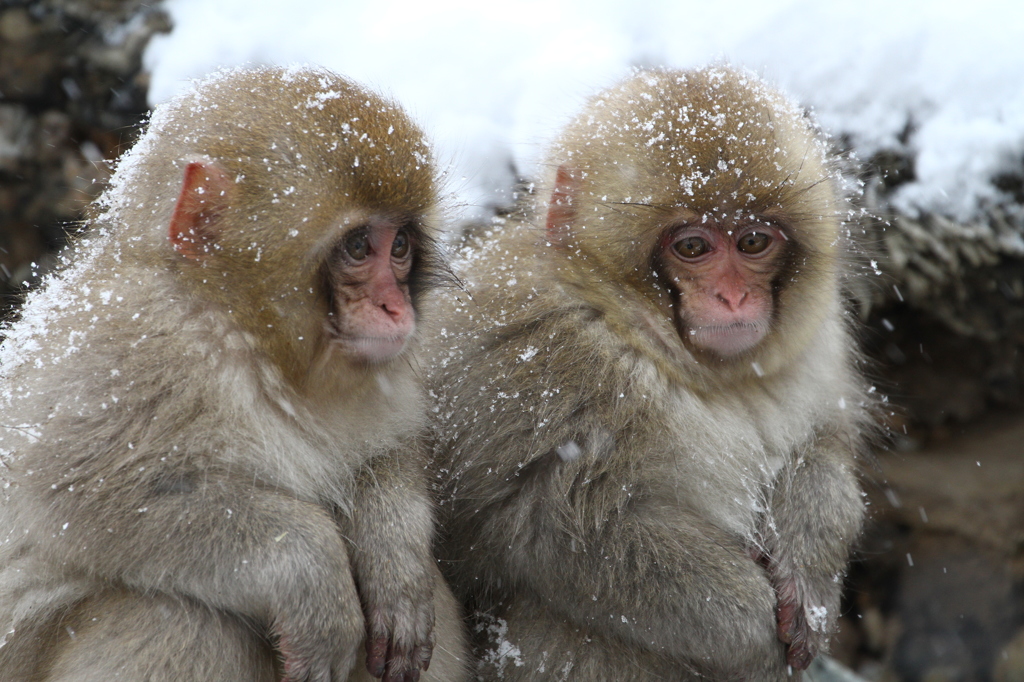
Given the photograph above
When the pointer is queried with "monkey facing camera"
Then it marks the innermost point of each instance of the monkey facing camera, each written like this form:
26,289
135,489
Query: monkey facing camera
210,462
648,412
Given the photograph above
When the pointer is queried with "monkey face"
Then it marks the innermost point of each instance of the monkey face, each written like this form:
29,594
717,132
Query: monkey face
722,276
371,314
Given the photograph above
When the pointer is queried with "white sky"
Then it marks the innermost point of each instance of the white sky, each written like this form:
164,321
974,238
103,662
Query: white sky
492,84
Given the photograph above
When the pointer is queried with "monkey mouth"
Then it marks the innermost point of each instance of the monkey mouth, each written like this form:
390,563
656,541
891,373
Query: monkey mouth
381,347
727,340
370,349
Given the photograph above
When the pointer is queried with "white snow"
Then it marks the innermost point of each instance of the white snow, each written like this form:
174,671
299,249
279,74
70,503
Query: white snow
491,83
500,651
817,618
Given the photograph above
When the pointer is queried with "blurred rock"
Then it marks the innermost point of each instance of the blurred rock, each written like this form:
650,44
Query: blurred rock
956,606
72,93
1009,664
971,487
936,590
947,309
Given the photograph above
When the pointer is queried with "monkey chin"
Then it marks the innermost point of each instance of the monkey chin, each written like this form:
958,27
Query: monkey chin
727,340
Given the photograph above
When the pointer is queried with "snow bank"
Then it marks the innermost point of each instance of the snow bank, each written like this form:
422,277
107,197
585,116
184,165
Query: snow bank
942,80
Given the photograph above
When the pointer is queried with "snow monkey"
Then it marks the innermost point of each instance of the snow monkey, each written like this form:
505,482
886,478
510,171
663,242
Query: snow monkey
209,418
648,414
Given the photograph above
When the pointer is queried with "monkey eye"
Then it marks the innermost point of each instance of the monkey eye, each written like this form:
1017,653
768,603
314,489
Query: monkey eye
357,246
400,247
692,246
753,243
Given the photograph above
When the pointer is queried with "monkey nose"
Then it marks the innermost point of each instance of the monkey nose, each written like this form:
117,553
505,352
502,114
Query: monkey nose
394,305
733,300
392,310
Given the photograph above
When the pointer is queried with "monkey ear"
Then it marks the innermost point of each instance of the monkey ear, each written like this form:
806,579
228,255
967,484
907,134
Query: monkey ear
205,192
561,211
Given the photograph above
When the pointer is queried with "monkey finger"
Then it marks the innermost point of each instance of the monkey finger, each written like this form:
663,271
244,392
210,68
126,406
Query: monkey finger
421,656
397,663
405,665
400,671
786,615
793,631
799,656
377,655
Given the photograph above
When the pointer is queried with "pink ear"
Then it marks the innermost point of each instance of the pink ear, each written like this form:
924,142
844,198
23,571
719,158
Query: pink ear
561,211
205,193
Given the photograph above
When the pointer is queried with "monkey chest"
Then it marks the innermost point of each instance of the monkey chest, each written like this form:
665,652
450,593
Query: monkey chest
722,466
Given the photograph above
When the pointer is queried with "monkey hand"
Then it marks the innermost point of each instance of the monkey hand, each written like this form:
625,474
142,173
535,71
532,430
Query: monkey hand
320,649
803,620
400,640
318,620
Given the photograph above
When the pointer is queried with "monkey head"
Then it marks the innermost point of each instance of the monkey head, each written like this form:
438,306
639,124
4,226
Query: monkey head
310,225
708,196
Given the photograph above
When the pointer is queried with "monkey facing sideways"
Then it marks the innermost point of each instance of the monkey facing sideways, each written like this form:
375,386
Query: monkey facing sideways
210,466
648,415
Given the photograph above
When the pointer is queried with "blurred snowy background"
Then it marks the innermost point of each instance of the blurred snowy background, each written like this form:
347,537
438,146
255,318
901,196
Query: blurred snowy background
491,82
927,96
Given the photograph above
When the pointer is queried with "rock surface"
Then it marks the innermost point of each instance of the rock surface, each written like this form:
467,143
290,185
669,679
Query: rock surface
947,303
936,591
72,93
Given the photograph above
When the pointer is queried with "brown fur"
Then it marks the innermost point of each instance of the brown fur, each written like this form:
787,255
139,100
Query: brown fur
617,506
195,483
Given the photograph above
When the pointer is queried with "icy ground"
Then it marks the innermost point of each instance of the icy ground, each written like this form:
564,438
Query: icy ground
491,84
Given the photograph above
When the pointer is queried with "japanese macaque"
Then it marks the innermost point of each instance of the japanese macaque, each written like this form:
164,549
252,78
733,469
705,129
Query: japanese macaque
648,415
212,466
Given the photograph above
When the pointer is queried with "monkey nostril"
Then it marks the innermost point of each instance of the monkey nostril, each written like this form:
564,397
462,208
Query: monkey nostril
732,301
393,312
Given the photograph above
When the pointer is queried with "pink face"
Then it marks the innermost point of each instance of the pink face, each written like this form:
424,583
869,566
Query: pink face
372,315
723,274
